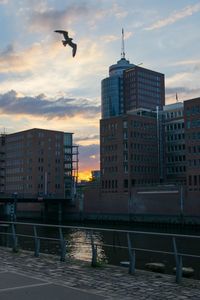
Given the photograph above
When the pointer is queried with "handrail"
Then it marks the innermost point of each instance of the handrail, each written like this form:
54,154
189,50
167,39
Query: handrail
107,245
103,229
94,245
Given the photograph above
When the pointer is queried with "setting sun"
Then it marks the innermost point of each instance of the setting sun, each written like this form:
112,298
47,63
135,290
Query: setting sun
84,175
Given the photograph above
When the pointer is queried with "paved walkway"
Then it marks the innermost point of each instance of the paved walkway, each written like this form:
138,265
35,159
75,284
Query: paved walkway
22,276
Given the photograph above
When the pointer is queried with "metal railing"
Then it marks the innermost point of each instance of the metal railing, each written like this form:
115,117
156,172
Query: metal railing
94,245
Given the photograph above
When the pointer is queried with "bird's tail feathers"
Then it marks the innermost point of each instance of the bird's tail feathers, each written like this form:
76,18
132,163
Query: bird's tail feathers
64,43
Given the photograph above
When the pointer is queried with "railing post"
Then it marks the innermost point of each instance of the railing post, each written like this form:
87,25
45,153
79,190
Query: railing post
131,255
37,242
14,238
94,250
62,245
179,263
59,213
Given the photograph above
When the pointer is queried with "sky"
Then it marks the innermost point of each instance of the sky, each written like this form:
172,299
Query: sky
43,86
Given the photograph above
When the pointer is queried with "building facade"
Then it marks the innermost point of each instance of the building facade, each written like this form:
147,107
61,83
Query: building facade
131,137
175,150
129,151
2,163
143,88
39,163
145,147
192,143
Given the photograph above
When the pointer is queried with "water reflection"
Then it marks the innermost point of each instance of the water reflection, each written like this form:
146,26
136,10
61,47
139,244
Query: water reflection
79,245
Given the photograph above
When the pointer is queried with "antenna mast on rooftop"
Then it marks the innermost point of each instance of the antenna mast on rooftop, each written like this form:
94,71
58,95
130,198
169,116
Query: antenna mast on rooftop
123,48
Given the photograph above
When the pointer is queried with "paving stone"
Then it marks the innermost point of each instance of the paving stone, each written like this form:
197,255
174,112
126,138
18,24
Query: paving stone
112,281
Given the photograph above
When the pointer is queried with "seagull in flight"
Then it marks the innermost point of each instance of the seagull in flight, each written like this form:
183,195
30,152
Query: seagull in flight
68,41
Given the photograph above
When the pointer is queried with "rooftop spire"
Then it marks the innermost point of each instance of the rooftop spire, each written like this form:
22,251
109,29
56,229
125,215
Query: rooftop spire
123,49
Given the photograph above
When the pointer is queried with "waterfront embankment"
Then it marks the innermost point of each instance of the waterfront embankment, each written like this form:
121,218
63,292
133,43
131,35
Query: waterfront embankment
25,276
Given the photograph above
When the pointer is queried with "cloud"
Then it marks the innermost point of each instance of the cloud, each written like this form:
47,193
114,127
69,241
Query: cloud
176,78
192,64
13,61
186,62
48,18
185,82
182,90
43,17
127,35
175,16
47,67
11,103
118,11
92,156
3,1
87,138
109,38
184,93
178,89
8,51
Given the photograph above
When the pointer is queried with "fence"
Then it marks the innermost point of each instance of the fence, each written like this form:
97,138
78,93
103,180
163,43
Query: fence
130,247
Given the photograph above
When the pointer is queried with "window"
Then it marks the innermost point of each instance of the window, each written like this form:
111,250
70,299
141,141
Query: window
125,145
125,125
125,168
125,183
125,135
133,182
188,124
195,179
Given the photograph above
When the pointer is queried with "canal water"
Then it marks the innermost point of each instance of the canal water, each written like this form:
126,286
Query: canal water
111,244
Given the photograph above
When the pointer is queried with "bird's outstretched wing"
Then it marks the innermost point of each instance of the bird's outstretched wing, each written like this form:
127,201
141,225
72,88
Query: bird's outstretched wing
65,33
74,47
68,41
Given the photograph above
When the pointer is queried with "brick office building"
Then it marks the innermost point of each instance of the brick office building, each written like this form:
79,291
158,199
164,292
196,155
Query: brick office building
148,143
192,143
130,131
175,150
143,88
38,162
129,151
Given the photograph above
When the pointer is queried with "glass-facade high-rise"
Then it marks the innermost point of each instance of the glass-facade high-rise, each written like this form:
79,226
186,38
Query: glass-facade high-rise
112,95
130,87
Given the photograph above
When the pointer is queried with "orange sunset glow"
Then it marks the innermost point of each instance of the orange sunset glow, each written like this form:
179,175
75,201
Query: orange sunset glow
84,175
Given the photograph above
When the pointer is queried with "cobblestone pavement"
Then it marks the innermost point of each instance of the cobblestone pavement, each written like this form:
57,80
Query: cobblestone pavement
109,281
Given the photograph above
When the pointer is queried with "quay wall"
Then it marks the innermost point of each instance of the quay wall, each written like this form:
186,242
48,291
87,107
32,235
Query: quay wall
161,204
